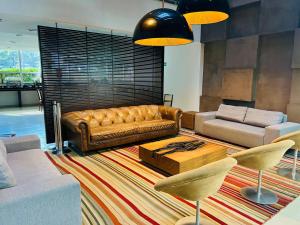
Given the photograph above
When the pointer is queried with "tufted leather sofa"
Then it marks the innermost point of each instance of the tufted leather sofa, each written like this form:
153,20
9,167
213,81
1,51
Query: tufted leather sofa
95,129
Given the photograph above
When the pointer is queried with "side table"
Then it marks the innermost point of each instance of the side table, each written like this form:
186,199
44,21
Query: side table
188,120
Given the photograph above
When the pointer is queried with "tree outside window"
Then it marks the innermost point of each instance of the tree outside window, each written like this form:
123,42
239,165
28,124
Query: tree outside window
20,65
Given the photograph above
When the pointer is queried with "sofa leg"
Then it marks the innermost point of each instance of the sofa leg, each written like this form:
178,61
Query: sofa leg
75,149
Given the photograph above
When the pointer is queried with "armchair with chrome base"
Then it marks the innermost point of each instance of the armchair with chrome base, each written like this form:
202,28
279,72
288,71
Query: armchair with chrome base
197,184
291,173
262,158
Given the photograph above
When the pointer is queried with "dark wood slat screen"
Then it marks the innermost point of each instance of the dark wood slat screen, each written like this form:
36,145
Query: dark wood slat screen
85,70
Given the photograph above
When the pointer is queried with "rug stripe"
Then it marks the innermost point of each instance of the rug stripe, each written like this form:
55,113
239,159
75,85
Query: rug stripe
116,192
117,188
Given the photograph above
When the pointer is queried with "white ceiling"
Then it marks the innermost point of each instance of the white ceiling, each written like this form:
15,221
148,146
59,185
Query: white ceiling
18,16
15,32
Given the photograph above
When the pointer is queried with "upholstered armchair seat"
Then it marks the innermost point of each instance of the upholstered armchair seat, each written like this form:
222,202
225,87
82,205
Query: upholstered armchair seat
101,128
262,158
197,184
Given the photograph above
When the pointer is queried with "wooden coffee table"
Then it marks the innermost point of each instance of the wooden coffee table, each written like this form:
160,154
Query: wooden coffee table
179,162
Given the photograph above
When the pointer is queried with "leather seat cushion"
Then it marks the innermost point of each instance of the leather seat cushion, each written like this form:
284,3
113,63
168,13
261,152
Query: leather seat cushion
121,130
154,125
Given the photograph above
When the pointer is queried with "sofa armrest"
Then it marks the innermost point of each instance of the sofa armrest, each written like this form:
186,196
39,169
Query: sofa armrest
171,113
51,202
21,143
200,118
275,131
74,123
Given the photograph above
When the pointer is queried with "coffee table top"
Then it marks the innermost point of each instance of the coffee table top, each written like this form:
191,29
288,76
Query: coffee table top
204,151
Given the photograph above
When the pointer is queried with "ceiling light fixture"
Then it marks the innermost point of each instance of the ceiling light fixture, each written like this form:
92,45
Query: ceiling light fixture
204,11
162,27
32,29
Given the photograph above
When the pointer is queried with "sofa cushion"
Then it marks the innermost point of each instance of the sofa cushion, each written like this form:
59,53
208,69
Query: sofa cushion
31,166
113,131
233,113
121,130
7,178
3,151
238,133
263,118
155,125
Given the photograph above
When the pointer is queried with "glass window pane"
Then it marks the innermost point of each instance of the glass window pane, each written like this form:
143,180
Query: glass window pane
30,60
9,67
9,60
31,68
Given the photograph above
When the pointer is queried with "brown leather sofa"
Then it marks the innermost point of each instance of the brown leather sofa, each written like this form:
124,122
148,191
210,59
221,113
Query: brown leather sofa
101,128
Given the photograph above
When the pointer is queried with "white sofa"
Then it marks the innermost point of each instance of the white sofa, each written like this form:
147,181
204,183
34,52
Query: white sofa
243,126
42,195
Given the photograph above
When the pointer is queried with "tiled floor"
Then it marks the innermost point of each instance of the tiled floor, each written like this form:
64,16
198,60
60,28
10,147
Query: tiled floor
23,121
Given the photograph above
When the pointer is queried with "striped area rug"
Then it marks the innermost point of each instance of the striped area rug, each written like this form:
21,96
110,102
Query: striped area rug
117,188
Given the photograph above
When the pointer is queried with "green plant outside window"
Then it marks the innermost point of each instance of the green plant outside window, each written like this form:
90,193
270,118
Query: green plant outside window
20,65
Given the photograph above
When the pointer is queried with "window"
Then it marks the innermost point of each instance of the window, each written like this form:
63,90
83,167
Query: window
19,67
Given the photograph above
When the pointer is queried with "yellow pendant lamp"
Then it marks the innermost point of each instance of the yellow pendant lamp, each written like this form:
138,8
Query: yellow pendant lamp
204,11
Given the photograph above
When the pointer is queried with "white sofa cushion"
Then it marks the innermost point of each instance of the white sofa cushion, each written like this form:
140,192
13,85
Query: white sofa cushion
31,166
233,113
263,118
3,151
7,178
237,133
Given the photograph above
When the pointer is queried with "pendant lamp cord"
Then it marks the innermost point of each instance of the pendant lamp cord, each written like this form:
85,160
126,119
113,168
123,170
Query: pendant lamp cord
163,4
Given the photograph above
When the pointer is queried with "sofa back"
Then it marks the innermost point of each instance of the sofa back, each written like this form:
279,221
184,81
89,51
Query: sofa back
255,117
263,118
230,112
110,116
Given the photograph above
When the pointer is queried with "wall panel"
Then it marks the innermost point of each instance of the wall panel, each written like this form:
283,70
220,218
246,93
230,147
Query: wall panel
238,3
242,52
295,87
276,53
238,84
244,21
296,50
293,109
85,70
208,103
214,59
263,36
275,73
213,32
279,15
273,92
293,112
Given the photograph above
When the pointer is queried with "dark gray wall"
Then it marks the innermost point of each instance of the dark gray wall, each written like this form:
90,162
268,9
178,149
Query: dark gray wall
260,35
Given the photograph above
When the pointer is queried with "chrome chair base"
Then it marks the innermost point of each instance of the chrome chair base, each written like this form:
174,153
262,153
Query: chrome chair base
266,197
191,220
288,173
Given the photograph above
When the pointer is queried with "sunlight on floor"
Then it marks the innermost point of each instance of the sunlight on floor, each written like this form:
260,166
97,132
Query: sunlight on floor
23,121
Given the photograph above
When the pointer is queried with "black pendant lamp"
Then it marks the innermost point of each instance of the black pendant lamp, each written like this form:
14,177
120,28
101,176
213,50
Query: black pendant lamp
162,27
204,11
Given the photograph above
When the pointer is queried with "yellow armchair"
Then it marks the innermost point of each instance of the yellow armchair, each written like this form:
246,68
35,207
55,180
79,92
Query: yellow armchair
291,173
262,158
197,184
